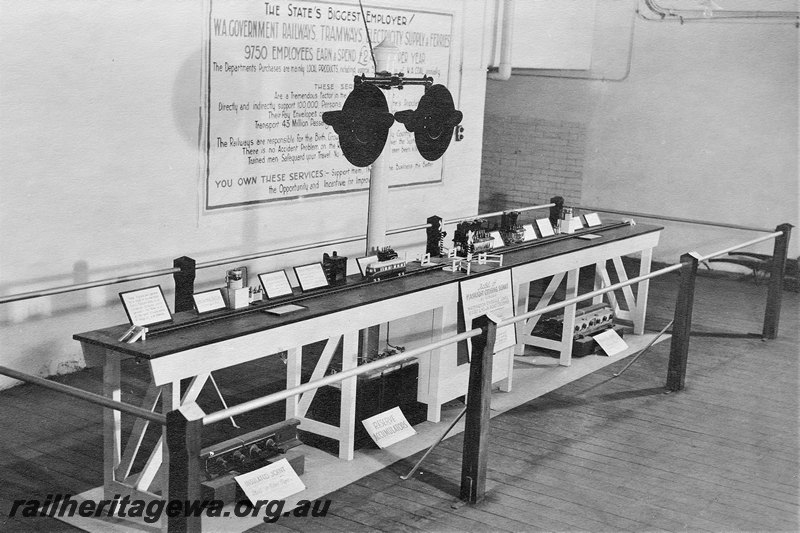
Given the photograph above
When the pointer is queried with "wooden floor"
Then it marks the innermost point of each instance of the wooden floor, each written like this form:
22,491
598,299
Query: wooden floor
600,454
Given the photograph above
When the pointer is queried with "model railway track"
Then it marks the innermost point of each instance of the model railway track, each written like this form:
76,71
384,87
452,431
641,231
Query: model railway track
187,322
278,302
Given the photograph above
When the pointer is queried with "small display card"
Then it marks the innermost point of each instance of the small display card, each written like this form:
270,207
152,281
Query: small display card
592,220
530,233
575,224
276,481
545,228
208,301
284,309
311,277
589,236
610,341
363,262
145,307
275,284
497,239
388,427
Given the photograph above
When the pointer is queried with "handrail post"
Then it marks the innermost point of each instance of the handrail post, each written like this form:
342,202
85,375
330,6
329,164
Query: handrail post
184,283
772,315
476,426
184,427
682,324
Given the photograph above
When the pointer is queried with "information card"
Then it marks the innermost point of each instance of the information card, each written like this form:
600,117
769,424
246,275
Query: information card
275,284
490,294
545,228
276,481
311,277
145,307
388,427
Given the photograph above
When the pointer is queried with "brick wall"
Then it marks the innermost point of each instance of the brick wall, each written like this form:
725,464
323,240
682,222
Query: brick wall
528,161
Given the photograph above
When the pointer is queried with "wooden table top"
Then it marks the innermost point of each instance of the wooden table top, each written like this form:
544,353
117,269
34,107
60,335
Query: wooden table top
185,332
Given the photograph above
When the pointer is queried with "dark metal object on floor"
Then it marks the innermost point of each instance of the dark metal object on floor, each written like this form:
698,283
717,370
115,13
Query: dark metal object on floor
435,444
646,348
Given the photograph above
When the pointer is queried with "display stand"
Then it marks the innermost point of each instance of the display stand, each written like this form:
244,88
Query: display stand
196,351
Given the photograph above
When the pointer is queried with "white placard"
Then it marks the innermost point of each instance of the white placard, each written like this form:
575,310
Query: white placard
273,68
575,224
497,239
490,294
284,309
276,481
610,341
592,220
311,276
363,262
530,233
208,301
589,236
388,427
545,228
275,284
145,307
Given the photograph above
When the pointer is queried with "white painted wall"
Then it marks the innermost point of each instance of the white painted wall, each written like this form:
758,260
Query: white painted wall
705,125
100,166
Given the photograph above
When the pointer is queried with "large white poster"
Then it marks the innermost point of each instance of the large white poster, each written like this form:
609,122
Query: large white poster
275,67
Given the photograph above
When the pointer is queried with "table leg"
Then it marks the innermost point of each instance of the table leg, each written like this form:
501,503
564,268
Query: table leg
112,422
442,362
521,303
347,414
642,290
294,366
569,319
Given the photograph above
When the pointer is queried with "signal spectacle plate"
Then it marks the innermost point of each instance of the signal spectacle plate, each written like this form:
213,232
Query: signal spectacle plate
362,125
433,121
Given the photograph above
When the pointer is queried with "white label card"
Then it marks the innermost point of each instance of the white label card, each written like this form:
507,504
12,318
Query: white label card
575,224
275,284
388,427
284,309
545,228
530,233
276,481
146,306
497,239
610,341
592,219
311,276
208,301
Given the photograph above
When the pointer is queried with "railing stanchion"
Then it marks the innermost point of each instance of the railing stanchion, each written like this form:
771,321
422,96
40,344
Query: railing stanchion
772,315
682,323
476,426
184,427
184,283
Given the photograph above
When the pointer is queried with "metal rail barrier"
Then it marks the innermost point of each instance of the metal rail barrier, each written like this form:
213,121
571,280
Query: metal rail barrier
674,219
183,263
184,426
81,394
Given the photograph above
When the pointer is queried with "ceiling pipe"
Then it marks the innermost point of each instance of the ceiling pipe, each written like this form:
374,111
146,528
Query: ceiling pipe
710,14
503,71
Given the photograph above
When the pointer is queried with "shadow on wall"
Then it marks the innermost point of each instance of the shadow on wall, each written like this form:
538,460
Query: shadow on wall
187,100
